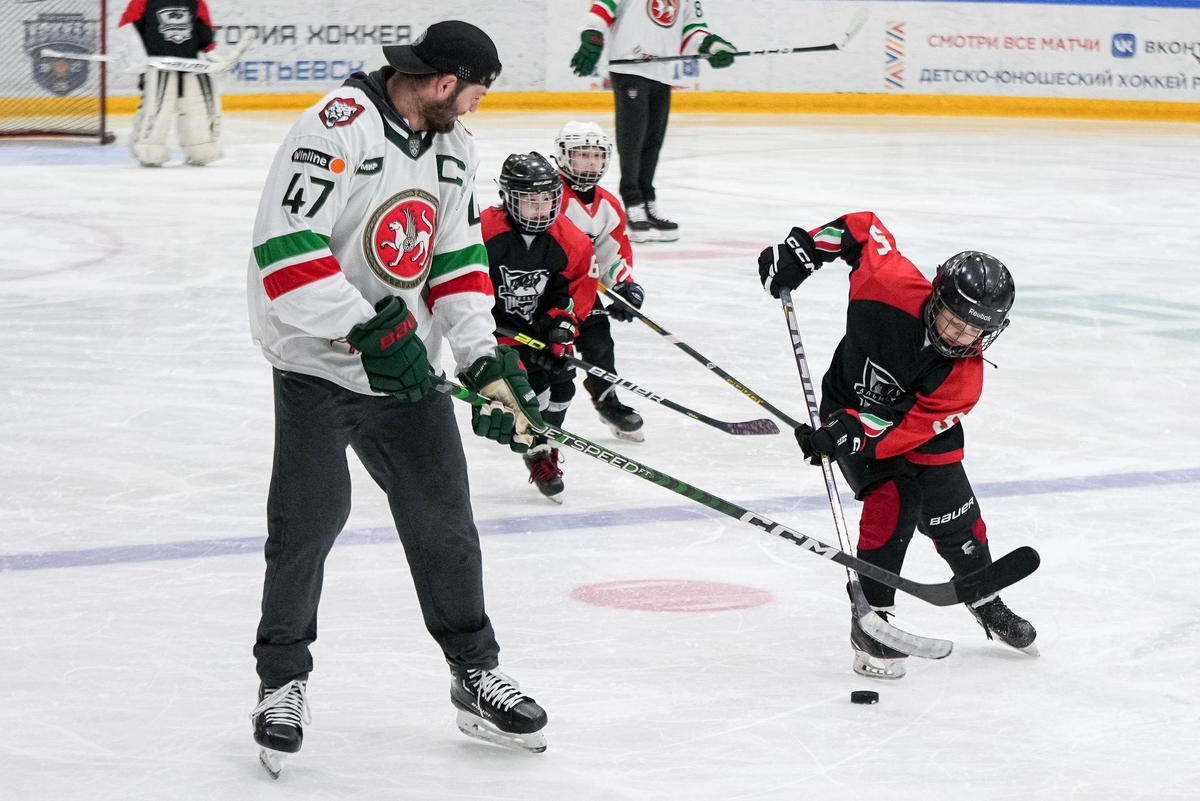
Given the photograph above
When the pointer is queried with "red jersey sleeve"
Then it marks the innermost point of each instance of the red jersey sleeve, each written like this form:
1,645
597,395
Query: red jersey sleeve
582,274
133,12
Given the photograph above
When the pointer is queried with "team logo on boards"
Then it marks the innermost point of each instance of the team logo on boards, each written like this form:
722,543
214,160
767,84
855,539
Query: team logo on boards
339,111
663,12
175,23
398,240
1124,45
64,33
520,290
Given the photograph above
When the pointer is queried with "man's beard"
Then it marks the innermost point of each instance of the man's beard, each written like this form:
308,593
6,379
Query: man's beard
440,116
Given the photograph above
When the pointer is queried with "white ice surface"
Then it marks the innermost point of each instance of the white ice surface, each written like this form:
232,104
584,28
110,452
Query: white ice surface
135,415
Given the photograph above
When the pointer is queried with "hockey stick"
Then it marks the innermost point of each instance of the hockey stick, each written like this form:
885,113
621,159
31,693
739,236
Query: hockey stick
1008,569
874,625
170,63
658,329
747,428
855,24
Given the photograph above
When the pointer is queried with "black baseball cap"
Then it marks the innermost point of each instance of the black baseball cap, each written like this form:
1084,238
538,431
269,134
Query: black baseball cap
451,46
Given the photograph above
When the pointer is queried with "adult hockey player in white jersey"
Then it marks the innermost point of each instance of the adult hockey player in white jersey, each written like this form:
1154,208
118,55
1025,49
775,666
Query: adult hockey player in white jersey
583,152
367,254
645,29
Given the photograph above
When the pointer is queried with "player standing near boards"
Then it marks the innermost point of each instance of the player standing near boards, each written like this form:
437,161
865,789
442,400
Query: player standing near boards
645,29
179,29
583,152
368,253
907,370
543,271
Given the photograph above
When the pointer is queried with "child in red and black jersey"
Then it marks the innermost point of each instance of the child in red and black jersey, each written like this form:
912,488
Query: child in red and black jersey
907,371
544,273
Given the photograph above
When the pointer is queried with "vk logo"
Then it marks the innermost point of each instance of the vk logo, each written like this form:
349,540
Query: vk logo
1124,45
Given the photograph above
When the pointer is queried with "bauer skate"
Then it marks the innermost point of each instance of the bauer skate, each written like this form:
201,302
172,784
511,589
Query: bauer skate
1012,629
544,473
872,658
279,722
492,707
623,421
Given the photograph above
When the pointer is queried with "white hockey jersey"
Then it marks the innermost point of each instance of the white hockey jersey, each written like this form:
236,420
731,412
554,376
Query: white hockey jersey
604,221
640,28
358,207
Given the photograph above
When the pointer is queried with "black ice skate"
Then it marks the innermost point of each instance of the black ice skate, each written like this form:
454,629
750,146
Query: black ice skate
871,657
623,421
279,722
637,224
1012,629
667,231
542,461
492,707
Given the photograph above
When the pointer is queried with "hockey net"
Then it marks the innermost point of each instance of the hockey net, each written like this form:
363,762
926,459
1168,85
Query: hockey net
46,95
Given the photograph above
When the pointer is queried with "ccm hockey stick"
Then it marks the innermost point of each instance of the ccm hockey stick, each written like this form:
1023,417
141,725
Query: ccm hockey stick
749,427
170,63
874,625
658,329
1008,569
855,24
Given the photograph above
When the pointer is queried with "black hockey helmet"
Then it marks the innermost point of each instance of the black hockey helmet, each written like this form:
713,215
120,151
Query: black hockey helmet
530,177
977,289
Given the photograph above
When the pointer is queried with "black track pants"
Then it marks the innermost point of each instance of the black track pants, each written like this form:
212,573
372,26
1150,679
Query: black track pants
414,453
643,109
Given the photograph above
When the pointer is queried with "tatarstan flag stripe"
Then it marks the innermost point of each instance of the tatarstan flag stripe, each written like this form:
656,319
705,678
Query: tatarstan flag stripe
298,275
283,247
873,426
611,5
470,282
448,262
687,28
603,12
688,37
829,238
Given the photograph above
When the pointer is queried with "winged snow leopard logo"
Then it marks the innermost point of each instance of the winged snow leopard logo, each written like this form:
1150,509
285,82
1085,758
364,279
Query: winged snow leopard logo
398,240
878,385
339,111
175,23
663,12
520,290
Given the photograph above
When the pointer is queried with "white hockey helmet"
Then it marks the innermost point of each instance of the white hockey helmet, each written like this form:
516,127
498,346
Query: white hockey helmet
577,135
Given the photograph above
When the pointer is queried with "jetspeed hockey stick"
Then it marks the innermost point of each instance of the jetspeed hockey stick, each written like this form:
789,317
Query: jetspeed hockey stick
1008,569
855,24
171,63
658,329
874,625
746,428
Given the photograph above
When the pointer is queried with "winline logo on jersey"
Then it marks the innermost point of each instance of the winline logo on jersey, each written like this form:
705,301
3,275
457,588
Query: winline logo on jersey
398,240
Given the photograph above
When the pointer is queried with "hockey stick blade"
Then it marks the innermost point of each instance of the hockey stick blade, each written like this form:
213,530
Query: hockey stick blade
983,582
897,639
860,19
762,426
710,366
1007,570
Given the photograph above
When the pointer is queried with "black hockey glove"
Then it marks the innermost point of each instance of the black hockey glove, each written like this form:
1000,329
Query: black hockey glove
511,417
591,44
633,294
393,356
841,435
789,263
557,330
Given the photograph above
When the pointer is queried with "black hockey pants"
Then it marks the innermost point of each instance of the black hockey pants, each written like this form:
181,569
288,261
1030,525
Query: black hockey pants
414,453
554,388
900,497
596,347
643,109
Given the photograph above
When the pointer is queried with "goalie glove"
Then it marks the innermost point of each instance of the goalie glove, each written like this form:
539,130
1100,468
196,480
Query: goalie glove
512,417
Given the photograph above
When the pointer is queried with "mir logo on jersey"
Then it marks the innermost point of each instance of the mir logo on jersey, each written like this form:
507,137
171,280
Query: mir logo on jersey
398,240
663,12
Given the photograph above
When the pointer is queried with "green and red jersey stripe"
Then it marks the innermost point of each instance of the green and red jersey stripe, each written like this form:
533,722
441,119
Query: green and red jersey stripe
829,239
691,30
605,10
304,256
464,270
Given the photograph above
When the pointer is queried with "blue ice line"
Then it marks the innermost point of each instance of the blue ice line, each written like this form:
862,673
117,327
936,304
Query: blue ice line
195,549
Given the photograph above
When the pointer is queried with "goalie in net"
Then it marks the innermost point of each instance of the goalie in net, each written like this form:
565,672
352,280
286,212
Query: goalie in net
178,29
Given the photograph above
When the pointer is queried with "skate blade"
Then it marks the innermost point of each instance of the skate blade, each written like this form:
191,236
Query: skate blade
887,669
668,236
273,761
628,436
554,498
474,726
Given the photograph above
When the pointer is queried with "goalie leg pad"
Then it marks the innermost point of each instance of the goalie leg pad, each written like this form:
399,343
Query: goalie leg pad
156,111
199,119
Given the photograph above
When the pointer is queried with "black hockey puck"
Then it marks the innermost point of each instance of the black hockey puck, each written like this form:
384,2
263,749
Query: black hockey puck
864,697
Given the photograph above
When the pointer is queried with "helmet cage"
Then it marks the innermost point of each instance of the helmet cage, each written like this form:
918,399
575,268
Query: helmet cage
532,225
576,136
933,309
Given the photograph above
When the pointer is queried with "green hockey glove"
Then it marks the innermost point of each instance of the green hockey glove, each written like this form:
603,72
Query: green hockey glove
591,44
720,51
512,416
392,354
